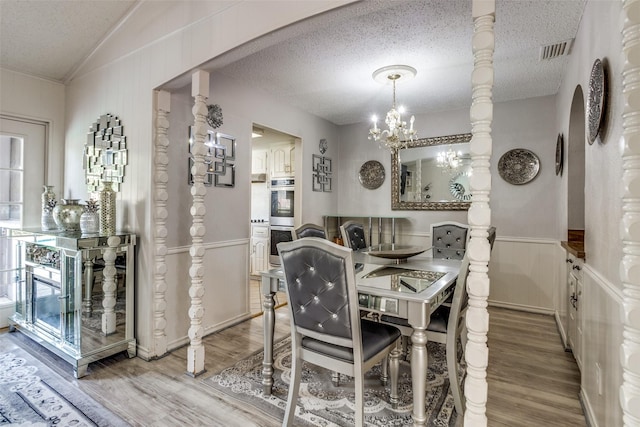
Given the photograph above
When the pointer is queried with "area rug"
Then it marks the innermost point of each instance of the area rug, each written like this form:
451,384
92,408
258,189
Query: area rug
31,394
322,404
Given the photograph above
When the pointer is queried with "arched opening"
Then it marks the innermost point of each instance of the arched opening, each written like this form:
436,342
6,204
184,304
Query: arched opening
575,167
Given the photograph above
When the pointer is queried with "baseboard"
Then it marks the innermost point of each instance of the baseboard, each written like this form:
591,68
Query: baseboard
180,342
522,307
589,416
561,331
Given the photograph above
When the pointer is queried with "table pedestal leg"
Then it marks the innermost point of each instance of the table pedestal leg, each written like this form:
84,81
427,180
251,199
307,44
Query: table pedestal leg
419,375
269,328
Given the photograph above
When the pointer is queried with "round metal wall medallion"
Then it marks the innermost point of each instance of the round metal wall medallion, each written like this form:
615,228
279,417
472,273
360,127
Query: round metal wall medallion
559,154
595,101
518,166
371,174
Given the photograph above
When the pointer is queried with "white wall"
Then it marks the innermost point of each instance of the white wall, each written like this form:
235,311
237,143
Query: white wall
599,36
159,42
42,100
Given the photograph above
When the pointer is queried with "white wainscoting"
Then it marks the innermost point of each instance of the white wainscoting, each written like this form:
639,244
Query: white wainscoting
226,296
601,303
7,308
526,274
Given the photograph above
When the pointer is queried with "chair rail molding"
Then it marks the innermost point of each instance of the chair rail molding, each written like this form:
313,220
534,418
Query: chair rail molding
630,222
479,214
195,351
161,196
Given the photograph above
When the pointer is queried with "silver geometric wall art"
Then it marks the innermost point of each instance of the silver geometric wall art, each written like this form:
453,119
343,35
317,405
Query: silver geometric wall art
321,169
219,159
105,153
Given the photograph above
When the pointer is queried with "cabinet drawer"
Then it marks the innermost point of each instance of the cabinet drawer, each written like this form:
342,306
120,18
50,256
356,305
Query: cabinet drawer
259,231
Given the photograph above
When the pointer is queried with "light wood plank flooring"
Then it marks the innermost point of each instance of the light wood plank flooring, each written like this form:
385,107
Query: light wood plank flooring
532,381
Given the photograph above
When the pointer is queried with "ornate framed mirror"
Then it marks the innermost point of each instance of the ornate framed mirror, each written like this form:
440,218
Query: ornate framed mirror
432,174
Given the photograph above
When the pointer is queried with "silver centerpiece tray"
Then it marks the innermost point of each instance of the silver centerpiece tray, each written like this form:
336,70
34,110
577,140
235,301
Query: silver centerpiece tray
518,166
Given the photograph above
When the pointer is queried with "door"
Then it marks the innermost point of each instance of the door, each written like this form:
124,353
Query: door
22,171
22,175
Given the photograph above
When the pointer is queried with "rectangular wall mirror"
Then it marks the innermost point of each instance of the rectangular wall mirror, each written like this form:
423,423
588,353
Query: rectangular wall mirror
432,174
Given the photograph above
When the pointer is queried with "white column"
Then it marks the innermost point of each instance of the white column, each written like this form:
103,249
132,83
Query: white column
195,352
479,215
109,286
161,178
630,224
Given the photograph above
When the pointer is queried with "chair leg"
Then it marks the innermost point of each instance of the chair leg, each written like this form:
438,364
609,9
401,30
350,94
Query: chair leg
394,368
384,376
452,369
335,378
359,391
294,388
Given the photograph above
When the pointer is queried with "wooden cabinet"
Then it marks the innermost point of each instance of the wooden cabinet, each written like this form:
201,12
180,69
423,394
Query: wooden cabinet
259,256
75,294
575,312
282,160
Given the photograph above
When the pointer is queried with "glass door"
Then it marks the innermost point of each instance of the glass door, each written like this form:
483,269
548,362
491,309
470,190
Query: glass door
22,175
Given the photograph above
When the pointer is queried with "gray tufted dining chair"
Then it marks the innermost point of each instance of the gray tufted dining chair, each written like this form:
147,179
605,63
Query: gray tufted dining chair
353,235
308,230
449,239
326,328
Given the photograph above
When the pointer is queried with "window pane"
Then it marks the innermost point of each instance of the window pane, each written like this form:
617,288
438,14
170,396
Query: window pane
10,152
10,186
10,216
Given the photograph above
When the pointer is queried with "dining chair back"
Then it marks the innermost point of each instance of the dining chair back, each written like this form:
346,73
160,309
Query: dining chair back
326,328
449,239
308,230
353,235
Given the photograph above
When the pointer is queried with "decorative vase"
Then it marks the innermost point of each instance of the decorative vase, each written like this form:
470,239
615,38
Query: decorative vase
67,214
107,209
48,203
90,223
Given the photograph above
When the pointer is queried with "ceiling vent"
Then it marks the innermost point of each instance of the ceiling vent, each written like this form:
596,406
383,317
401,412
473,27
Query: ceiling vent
555,50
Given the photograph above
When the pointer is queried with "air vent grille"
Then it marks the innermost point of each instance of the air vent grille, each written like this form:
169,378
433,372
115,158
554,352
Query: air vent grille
556,50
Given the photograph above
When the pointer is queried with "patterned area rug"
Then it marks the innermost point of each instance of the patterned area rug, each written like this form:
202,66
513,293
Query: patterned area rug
322,404
31,394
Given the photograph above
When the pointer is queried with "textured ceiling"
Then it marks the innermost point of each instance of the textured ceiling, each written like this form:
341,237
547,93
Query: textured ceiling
323,65
50,39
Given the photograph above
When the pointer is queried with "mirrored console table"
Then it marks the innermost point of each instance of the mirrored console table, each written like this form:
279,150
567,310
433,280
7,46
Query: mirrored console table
75,293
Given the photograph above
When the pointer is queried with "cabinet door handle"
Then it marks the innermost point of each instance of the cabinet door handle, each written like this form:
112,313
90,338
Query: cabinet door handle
569,260
577,267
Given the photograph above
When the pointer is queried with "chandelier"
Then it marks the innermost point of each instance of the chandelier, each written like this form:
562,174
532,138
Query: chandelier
397,135
448,160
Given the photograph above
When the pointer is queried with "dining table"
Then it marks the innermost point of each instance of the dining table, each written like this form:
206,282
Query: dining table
411,290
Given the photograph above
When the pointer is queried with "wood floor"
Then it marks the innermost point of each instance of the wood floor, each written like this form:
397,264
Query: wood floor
532,381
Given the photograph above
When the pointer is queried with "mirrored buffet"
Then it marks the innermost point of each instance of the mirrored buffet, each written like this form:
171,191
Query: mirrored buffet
75,293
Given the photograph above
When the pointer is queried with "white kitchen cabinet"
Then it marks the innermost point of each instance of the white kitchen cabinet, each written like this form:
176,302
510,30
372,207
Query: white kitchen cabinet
282,160
576,323
259,257
259,161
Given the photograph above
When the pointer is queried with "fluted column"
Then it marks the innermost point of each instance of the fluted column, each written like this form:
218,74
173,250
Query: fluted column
630,225
479,215
195,352
161,196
